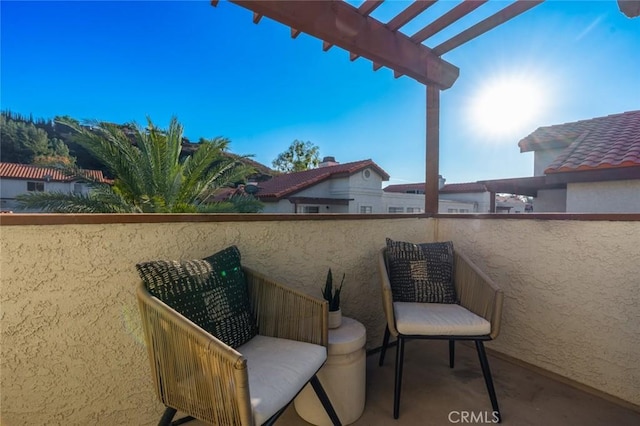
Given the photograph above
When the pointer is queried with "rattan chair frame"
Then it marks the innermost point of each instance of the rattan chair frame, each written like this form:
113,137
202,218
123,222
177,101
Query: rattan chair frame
196,373
476,292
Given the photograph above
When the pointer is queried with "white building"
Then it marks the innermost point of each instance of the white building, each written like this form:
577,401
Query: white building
357,188
471,197
17,179
331,188
588,166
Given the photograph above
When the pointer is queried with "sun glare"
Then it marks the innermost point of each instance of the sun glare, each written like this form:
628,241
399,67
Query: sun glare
507,107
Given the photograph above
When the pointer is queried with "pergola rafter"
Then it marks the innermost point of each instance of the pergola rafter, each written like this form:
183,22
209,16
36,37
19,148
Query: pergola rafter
401,19
338,23
499,18
461,10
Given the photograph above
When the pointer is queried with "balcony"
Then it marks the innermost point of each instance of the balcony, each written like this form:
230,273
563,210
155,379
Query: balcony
72,350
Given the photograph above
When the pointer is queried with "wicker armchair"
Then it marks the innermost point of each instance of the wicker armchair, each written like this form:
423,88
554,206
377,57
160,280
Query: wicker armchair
197,374
476,317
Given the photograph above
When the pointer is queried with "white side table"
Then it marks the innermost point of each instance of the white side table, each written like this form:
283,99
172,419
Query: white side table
343,377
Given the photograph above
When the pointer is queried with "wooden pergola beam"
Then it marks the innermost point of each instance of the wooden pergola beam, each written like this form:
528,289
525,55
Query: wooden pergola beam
369,6
447,19
402,18
339,23
509,12
365,9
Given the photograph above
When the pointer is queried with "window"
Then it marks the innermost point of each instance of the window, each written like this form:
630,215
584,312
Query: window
35,186
396,209
366,209
414,210
77,188
464,210
452,211
366,174
311,209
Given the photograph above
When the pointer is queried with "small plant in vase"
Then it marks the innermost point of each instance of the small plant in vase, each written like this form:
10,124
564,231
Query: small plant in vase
332,296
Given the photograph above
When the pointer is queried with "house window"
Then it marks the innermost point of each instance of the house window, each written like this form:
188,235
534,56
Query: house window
464,210
366,209
414,210
77,188
396,209
35,186
311,209
452,211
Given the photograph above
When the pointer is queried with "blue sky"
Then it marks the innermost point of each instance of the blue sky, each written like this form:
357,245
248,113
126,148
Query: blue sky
221,75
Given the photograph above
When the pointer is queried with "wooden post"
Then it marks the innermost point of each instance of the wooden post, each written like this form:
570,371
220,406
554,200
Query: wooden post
433,150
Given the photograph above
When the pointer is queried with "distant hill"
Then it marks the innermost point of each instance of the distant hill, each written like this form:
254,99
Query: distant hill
84,160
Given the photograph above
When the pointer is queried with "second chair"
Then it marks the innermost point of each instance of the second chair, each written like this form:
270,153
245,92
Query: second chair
473,316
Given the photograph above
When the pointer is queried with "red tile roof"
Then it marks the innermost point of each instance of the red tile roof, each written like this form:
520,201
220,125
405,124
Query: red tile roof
446,189
596,144
32,172
290,183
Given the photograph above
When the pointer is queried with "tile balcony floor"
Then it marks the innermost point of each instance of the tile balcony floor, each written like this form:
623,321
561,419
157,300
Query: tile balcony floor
431,390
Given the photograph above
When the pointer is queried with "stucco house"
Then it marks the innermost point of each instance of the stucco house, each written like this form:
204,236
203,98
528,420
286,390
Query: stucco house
357,187
332,187
16,179
470,197
587,166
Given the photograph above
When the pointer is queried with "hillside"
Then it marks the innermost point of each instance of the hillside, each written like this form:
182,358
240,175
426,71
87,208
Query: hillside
42,141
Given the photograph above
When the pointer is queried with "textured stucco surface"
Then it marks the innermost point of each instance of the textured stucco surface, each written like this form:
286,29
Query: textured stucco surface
622,196
572,299
71,347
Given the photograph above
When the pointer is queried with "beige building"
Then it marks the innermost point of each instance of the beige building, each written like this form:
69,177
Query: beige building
357,187
588,166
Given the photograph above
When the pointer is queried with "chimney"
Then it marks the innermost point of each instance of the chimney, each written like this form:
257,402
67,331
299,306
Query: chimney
328,161
441,181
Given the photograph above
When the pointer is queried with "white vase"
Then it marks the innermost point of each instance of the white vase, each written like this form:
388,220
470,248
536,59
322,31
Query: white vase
335,318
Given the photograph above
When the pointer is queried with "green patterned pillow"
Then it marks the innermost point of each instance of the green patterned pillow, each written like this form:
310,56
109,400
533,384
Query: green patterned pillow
211,292
421,272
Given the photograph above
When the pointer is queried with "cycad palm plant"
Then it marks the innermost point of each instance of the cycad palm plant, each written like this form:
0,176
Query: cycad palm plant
150,176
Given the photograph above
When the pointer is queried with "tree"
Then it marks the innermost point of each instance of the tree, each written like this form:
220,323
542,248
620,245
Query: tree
149,175
24,142
21,142
300,156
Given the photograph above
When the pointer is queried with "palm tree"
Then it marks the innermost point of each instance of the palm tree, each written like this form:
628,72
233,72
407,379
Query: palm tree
150,176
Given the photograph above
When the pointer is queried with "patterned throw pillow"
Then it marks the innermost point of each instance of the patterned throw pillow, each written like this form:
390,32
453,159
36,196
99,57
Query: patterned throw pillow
421,272
211,292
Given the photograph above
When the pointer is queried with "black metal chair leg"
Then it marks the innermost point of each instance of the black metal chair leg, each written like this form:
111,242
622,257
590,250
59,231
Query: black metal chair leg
167,416
324,399
182,421
452,352
385,343
486,371
398,386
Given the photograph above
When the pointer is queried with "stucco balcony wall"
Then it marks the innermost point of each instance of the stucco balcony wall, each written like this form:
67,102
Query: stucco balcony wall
72,346
72,350
572,300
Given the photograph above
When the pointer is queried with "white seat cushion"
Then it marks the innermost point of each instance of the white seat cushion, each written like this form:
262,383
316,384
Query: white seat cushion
278,369
438,319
